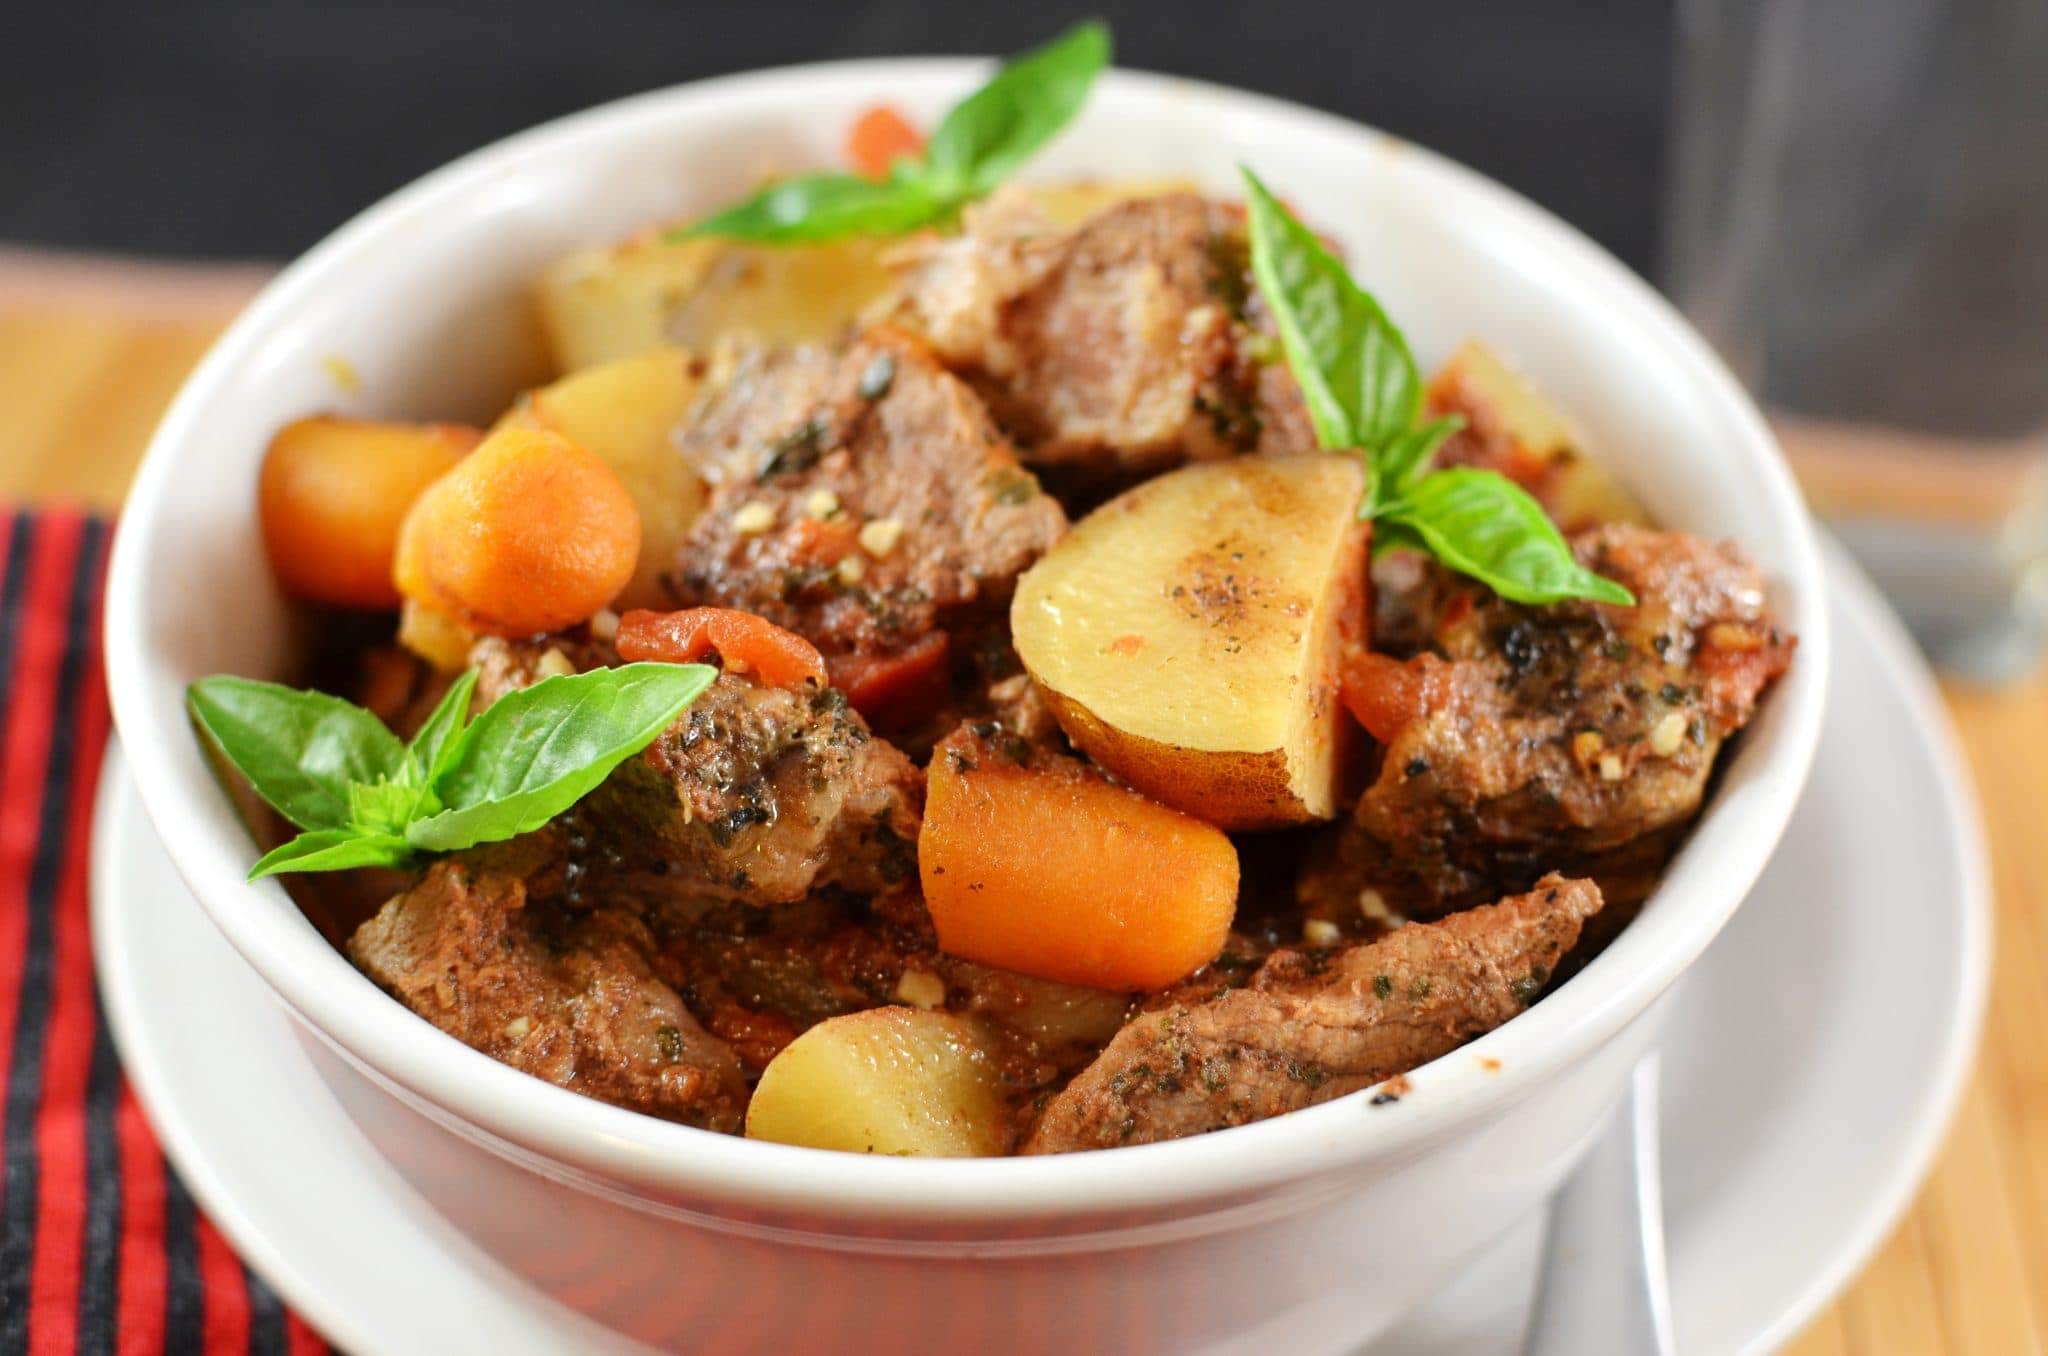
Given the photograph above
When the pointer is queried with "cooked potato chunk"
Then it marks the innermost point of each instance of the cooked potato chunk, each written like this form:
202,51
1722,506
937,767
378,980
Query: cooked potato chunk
598,305
627,413
1186,633
1518,425
884,1081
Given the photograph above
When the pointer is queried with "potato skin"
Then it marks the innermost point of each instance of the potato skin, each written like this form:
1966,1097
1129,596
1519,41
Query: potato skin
1187,635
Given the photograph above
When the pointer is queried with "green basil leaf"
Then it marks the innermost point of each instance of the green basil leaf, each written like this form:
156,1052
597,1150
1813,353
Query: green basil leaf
994,130
1482,524
333,850
1389,534
1407,457
436,736
300,750
385,807
534,753
1355,371
819,207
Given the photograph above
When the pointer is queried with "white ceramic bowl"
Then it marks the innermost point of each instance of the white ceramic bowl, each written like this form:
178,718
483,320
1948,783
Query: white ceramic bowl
1303,1233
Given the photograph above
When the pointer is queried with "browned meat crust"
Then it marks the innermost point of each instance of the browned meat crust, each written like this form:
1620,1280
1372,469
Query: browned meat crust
1120,346
1313,1026
567,996
808,448
1577,737
757,795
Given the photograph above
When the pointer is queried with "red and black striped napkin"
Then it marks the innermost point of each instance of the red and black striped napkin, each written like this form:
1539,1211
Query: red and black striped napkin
101,1248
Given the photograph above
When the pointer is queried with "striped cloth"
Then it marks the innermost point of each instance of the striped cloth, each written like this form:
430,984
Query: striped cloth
101,1249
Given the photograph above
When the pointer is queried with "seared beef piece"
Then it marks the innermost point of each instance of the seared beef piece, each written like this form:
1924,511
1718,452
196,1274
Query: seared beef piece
478,949
1119,347
862,499
1315,1025
756,795
1529,739
507,665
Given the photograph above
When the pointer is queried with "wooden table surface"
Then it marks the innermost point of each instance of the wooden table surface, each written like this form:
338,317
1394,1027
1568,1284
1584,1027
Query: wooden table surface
91,351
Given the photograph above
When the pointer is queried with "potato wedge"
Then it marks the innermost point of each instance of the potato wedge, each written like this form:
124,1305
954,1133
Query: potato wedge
627,413
885,1081
1499,402
1186,635
602,304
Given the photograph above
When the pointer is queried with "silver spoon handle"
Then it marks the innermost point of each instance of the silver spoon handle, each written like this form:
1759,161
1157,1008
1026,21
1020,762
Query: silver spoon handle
1604,1287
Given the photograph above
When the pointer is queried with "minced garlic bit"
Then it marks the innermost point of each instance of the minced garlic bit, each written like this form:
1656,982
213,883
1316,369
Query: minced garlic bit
1667,734
1321,932
554,664
604,623
1610,767
878,537
1732,636
1373,905
820,504
1586,745
851,569
922,989
516,1029
753,518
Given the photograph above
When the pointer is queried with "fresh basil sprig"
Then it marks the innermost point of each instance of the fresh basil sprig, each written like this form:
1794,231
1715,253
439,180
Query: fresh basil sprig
980,143
365,799
1364,395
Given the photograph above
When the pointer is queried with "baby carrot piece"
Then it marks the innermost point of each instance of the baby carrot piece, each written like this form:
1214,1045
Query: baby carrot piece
878,137
1037,863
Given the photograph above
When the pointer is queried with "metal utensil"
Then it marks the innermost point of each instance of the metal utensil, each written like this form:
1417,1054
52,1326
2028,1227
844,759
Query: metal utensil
1604,1287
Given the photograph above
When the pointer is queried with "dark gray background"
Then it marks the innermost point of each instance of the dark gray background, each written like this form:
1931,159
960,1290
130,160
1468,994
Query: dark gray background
249,128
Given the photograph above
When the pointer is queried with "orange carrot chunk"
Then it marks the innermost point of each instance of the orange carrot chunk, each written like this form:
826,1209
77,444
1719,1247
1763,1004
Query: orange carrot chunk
878,137
529,533
895,690
333,494
1045,867
744,642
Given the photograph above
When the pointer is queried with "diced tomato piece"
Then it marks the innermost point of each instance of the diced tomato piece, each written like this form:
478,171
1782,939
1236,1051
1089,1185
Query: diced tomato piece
746,643
894,690
822,542
1386,695
878,137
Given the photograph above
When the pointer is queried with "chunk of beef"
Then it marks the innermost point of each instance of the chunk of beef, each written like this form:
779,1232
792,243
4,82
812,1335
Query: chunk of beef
477,949
862,499
1118,347
1578,736
756,795
1313,1026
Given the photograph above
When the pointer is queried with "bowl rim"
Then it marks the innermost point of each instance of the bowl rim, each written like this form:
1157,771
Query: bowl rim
611,1145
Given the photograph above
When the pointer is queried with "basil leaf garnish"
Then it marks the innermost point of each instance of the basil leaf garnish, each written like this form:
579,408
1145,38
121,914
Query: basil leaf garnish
335,770
301,750
535,752
333,850
1484,525
993,131
980,142
1353,365
447,720
819,207
1363,393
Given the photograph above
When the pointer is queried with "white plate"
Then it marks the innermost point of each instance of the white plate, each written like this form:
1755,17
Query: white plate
1810,1069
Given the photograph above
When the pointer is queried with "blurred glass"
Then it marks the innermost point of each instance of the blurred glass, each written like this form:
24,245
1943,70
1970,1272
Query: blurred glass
1858,218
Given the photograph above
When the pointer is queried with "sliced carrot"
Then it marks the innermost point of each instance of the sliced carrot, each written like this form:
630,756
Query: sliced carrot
1047,868
333,494
878,138
746,643
894,690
